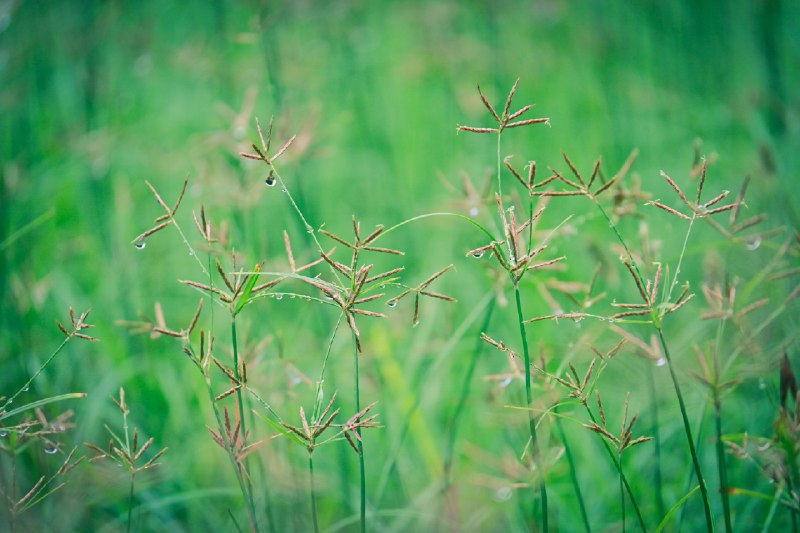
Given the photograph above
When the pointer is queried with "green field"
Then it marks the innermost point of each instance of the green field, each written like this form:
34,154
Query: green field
698,335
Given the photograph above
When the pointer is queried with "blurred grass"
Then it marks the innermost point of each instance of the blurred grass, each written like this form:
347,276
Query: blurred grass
95,99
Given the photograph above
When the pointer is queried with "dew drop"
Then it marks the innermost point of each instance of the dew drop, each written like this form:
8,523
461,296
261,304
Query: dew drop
661,362
140,245
503,494
477,254
284,189
26,389
3,433
761,384
309,229
50,450
292,296
473,211
383,286
279,296
415,324
505,383
392,303
754,244
270,181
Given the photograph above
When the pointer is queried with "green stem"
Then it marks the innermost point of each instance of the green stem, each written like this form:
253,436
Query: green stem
531,418
360,443
720,449
236,373
616,464
499,181
687,429
658,493
656,323
27,384
130,504
318,396
244,488
313,492
621,493
240,402
573,475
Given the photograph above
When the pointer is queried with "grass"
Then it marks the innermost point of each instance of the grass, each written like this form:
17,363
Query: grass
260,391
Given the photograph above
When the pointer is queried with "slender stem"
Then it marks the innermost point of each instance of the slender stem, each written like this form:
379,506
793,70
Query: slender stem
687,429
531,418
621,492
313,491
657,325
360,443
27,384
189,246
245,489
613,458
240,402
573,475
499,180
680,258
236,373
130,504
308,227
720,449
658,493
318,396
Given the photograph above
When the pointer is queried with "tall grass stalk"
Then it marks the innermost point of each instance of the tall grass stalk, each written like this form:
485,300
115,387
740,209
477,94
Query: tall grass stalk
720,447
656,321
573,474
531,417
658,493
359,441
241,407
621,473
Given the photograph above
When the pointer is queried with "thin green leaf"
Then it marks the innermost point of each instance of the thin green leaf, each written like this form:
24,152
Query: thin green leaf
285,432
39,403
243,298
675,507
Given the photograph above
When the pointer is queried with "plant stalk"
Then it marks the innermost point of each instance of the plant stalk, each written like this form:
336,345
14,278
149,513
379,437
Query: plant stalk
531,418
360,443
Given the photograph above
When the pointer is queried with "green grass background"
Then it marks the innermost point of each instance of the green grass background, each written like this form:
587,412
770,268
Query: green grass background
97,97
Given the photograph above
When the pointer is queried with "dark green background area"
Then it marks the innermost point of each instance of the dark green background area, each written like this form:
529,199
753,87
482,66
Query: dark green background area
97,97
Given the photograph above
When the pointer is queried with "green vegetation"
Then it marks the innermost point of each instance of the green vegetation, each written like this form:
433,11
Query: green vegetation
341,288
